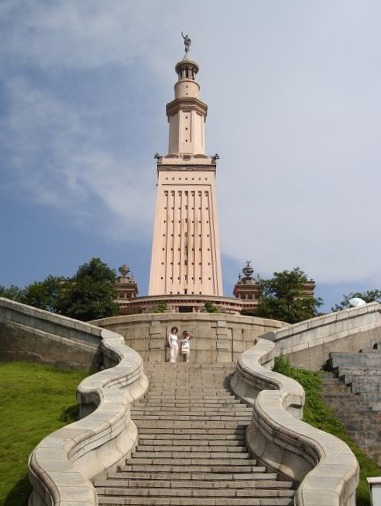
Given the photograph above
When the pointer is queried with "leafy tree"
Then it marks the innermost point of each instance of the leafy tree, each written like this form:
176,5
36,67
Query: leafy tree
91,293
368,296
44,294
13,293
210,307
284,298
162,307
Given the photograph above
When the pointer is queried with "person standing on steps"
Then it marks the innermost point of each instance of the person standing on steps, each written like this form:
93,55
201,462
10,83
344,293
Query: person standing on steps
185,346
172,344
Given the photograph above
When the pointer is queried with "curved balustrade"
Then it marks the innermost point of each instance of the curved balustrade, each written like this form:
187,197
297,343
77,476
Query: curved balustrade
323,465
308,344
62,465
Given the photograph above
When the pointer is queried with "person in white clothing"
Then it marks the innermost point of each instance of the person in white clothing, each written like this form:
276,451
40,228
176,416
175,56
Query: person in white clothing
173,345
185,346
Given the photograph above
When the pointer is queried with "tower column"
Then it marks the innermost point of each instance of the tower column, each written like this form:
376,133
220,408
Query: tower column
185,248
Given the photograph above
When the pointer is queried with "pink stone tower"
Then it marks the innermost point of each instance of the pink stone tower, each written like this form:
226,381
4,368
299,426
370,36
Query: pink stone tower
185,249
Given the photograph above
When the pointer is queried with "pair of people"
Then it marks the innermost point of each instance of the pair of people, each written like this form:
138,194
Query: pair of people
173,345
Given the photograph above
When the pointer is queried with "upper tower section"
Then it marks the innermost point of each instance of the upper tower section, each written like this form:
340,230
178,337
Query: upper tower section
186,113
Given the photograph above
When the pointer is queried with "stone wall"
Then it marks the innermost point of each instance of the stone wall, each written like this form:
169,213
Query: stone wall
217,337
29,334
308,344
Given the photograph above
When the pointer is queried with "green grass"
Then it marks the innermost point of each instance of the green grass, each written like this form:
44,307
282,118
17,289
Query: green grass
318,414
35,400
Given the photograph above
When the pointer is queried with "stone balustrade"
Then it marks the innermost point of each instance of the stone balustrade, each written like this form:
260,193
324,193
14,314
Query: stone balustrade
62,465
324,466
308,344
29,334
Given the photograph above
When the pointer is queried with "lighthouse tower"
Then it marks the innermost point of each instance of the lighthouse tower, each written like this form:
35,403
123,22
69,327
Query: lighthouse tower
185,249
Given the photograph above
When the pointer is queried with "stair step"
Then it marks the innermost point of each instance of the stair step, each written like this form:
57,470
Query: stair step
162,423
186,406
197,448
259,474
217,437
194,492
169,458
115,481
194,501
230,467
184,431
356,415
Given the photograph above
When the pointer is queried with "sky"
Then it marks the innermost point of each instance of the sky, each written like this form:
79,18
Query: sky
293,90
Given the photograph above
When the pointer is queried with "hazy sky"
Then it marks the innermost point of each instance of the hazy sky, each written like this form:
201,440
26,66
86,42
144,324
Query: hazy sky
294,95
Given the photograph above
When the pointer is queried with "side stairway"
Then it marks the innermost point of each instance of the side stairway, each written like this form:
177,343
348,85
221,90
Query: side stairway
361,421
354,394
191,447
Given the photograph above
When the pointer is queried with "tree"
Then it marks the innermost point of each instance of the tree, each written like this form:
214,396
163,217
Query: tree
44,294
91,293
284,297
162,307
210,307
368,296
13,293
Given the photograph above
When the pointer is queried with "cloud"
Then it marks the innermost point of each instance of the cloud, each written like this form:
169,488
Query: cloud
54,157
294,113
76,35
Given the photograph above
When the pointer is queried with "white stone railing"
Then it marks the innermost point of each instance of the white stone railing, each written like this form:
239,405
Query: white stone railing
308,344
324,467
62,465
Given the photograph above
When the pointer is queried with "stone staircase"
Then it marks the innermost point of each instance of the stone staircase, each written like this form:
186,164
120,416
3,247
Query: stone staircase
361,421
191,447
362,371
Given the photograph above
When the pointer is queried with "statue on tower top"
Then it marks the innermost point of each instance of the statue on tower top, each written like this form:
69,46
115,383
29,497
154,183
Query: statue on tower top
187,42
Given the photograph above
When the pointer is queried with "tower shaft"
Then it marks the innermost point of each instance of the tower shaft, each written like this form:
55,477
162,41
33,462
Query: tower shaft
185,248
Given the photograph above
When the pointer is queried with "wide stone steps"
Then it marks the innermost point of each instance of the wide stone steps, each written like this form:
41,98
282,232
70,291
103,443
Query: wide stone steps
219,479
194,498
199,447
191,448
359,418
196,481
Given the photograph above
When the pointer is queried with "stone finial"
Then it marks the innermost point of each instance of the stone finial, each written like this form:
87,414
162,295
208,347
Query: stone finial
124,270
248,270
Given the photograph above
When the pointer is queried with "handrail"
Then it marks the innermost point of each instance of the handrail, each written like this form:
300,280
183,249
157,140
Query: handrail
323,465
62,465
309,342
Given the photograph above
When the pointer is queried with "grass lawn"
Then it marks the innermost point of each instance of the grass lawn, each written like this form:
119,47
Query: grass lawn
35,400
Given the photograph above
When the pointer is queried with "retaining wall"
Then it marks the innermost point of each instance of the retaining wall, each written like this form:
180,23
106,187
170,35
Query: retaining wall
218,337
29,334
308,344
